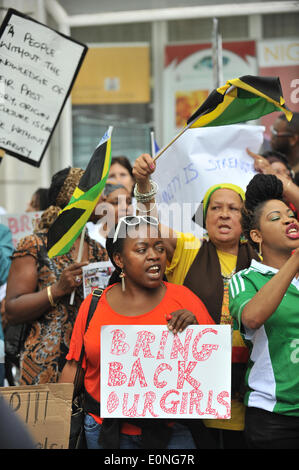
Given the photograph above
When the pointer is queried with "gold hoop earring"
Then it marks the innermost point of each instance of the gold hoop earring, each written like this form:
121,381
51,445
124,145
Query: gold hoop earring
122,277
260,250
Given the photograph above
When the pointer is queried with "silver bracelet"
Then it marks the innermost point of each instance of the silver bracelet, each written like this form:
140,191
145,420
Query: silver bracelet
146,197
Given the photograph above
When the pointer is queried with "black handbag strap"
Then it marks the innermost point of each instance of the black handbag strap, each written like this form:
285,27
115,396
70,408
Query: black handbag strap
96,295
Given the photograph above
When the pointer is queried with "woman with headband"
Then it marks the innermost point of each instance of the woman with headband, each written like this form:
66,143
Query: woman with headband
264,300
137,296
205,267
39,288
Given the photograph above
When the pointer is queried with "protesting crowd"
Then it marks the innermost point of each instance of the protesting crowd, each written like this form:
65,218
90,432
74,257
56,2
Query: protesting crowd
243,273
120,327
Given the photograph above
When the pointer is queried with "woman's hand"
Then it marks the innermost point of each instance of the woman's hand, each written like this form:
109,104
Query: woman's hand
24,303
261,164
71,277
143,167
179,320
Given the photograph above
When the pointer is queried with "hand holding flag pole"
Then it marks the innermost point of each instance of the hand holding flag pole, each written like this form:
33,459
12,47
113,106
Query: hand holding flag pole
71,221
79,258
240,100
155,157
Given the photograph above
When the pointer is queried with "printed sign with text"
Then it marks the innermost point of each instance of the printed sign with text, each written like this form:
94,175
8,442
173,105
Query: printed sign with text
37,69
148,372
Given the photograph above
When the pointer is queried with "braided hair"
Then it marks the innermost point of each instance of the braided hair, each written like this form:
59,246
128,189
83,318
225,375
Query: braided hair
260,189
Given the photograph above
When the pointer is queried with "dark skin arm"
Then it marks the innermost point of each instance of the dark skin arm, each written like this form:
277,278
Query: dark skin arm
144,166
267,299
68,373
23,302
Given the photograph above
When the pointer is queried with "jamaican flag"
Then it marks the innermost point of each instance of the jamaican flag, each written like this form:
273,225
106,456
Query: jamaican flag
241,99
71,220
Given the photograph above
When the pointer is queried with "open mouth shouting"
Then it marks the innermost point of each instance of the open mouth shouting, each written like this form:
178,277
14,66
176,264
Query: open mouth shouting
292,231
154,271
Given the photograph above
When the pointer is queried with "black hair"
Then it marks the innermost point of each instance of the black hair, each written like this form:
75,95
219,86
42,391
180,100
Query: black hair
293,124
42,195
123,161
279,155
57,182
261,188
275,156
117,247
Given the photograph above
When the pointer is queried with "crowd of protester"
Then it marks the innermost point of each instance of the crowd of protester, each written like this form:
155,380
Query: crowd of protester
243,273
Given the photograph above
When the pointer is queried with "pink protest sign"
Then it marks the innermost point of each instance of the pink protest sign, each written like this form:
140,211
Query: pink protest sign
148,372
20,225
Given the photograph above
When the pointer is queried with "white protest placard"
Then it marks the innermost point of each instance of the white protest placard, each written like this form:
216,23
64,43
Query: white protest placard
20,225
197,160
38,67
148,372
96,275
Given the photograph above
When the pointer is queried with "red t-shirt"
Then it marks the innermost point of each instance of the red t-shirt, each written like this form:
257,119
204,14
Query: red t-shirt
176,297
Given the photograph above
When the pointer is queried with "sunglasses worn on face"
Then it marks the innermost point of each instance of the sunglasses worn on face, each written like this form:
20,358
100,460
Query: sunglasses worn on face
280,134
133,220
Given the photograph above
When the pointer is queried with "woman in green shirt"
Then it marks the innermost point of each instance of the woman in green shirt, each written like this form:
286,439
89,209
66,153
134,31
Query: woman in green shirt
264,300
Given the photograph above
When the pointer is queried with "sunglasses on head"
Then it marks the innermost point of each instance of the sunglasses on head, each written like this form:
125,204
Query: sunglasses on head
132,220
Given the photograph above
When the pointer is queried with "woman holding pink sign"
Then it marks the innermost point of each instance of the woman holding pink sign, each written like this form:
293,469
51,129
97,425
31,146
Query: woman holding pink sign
138,296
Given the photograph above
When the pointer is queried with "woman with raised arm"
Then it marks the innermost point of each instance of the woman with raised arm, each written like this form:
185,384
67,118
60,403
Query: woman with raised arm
264,300
137,296
206,266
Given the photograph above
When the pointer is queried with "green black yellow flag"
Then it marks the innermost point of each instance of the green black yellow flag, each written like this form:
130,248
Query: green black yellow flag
240,100
71,220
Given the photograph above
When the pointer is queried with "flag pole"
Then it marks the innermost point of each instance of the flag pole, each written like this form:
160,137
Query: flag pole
217,69
153,144
173,140
217,54
79,258
80,251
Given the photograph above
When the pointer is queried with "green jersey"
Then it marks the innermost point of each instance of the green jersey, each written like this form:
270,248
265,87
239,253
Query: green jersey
272,376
